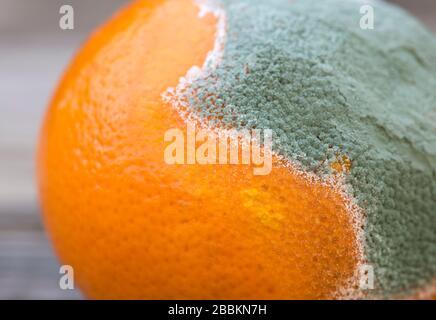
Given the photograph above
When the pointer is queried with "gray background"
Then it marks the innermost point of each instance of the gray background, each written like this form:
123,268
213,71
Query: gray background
33,53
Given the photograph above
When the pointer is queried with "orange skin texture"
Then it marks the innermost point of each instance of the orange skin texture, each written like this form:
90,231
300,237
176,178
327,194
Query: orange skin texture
134,227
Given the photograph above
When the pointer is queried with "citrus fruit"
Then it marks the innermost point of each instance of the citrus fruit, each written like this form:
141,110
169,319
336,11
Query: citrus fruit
352,181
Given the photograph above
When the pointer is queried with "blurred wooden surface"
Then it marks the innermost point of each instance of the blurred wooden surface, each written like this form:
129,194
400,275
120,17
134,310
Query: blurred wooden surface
33,53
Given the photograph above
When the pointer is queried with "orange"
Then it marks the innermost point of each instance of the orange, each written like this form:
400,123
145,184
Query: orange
133,226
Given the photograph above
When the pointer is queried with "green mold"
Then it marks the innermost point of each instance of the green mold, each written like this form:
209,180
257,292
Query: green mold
307,70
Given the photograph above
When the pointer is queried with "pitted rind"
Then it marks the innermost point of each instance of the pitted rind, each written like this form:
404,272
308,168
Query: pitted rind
327,88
